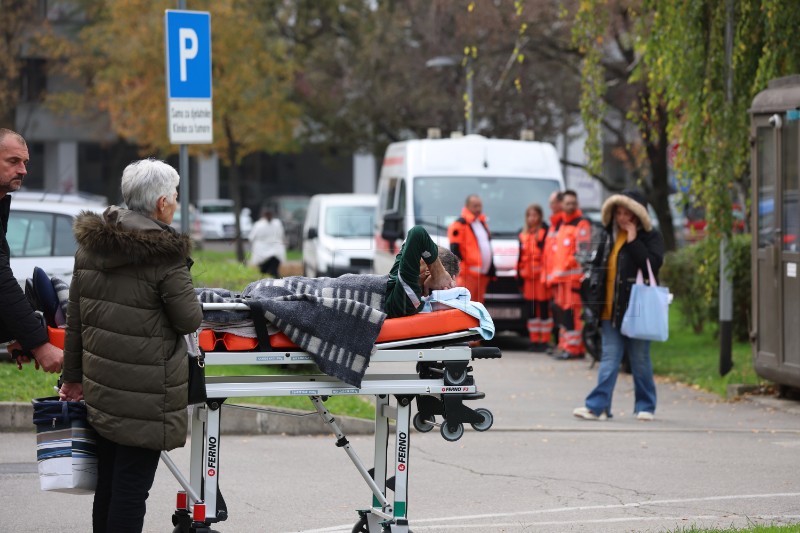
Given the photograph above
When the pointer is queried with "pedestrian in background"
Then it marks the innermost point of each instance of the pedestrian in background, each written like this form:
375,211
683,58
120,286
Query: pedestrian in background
626,245
267,248
471,241
573,243
555,200
131,302
530,268
19,325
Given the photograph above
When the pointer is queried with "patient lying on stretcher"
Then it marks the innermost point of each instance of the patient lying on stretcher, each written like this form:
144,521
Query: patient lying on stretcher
419,268
337,320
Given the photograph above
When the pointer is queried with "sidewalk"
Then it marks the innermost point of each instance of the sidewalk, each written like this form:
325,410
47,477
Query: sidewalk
703,462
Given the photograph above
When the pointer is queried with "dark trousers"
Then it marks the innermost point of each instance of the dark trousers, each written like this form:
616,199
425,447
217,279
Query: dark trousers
270,266
124,477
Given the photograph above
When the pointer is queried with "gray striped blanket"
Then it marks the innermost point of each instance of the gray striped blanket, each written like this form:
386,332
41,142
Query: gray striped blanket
336,320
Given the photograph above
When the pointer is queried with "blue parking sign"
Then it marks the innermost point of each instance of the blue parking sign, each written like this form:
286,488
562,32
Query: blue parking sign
188,48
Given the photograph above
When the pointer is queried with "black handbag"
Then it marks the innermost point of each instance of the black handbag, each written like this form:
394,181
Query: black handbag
197,371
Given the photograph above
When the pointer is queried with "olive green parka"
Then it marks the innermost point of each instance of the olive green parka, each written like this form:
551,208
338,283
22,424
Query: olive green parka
131,301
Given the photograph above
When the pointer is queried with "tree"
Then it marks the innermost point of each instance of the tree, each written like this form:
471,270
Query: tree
616,98
120,56
17,35
363,80
709,88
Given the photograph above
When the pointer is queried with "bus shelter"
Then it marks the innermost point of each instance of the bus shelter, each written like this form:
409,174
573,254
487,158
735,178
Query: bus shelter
775,145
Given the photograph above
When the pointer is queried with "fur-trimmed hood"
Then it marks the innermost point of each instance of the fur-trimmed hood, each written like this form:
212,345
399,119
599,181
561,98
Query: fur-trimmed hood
633,200
122,236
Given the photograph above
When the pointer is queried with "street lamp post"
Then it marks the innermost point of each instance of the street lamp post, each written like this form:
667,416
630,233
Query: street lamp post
454,61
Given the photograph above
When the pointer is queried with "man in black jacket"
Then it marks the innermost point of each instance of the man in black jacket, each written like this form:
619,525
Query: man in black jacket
17,319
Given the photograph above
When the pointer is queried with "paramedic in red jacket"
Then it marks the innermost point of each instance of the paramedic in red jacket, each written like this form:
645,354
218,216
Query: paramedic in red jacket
530,267
470,241
555,200
572,246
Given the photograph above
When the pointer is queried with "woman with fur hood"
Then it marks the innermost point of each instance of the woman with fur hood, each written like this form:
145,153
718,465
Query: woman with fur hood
130,303
627,244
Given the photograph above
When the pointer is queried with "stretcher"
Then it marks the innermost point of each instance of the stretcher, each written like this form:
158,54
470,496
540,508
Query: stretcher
435,355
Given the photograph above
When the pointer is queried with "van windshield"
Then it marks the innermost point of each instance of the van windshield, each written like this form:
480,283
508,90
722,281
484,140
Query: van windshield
438,201
349,221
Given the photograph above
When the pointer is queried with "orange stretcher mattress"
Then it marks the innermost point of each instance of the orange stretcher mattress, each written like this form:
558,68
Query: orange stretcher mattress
394,329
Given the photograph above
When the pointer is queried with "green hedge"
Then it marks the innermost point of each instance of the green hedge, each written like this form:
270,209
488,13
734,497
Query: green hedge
692,274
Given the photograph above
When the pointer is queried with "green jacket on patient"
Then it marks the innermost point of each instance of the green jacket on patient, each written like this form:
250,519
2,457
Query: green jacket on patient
418,269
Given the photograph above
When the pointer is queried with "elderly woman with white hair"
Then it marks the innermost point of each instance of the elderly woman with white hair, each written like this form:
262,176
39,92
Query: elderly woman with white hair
130,303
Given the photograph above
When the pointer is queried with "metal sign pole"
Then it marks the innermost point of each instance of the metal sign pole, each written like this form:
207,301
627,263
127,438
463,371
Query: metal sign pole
183,170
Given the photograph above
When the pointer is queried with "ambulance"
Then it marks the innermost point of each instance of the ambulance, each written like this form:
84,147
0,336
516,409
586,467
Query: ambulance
426,182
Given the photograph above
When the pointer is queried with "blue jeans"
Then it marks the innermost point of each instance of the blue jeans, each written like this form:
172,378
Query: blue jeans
614,346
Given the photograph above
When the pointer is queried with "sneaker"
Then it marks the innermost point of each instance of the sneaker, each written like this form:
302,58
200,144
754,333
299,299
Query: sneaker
645,416
586,414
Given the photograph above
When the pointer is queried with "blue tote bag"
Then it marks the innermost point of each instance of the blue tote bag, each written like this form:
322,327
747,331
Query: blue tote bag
647,316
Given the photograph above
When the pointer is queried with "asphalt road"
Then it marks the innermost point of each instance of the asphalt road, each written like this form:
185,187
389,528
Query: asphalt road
703,462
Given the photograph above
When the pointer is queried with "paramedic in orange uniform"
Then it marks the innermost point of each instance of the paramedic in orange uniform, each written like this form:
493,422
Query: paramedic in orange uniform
470,241
529,274
556,197
572,246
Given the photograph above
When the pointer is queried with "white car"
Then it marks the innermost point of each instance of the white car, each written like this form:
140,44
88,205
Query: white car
218,221
337,234
40,233
195,229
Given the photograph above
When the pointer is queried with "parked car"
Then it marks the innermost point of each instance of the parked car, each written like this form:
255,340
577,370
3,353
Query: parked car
195,228
40,233
338,234
218,221
291,211
695,225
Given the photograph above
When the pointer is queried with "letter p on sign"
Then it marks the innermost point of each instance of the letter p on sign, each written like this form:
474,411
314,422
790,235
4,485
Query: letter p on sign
188,48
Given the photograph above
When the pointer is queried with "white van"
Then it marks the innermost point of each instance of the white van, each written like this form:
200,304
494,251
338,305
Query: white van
427,181
337,234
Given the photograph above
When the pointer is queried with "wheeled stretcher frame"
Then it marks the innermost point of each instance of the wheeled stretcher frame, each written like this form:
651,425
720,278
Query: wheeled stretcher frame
440,385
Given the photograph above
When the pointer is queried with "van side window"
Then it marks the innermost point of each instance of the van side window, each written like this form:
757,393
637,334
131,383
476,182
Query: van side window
387,201
401,202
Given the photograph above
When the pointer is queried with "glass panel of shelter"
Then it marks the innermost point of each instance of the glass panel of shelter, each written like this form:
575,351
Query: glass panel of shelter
790,186
765,146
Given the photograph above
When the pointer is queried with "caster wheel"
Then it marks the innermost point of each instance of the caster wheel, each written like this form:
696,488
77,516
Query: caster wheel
361,526
452,435
488,420
450,379
423,425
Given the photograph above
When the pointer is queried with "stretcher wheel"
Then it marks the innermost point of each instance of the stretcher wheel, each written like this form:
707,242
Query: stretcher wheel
423,425
455,380
361,526
452,435
488,420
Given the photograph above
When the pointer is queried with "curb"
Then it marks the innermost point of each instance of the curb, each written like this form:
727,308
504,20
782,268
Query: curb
17,417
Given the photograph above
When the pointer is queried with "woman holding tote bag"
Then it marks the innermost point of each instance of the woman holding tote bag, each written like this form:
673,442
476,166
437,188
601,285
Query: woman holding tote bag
626,245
